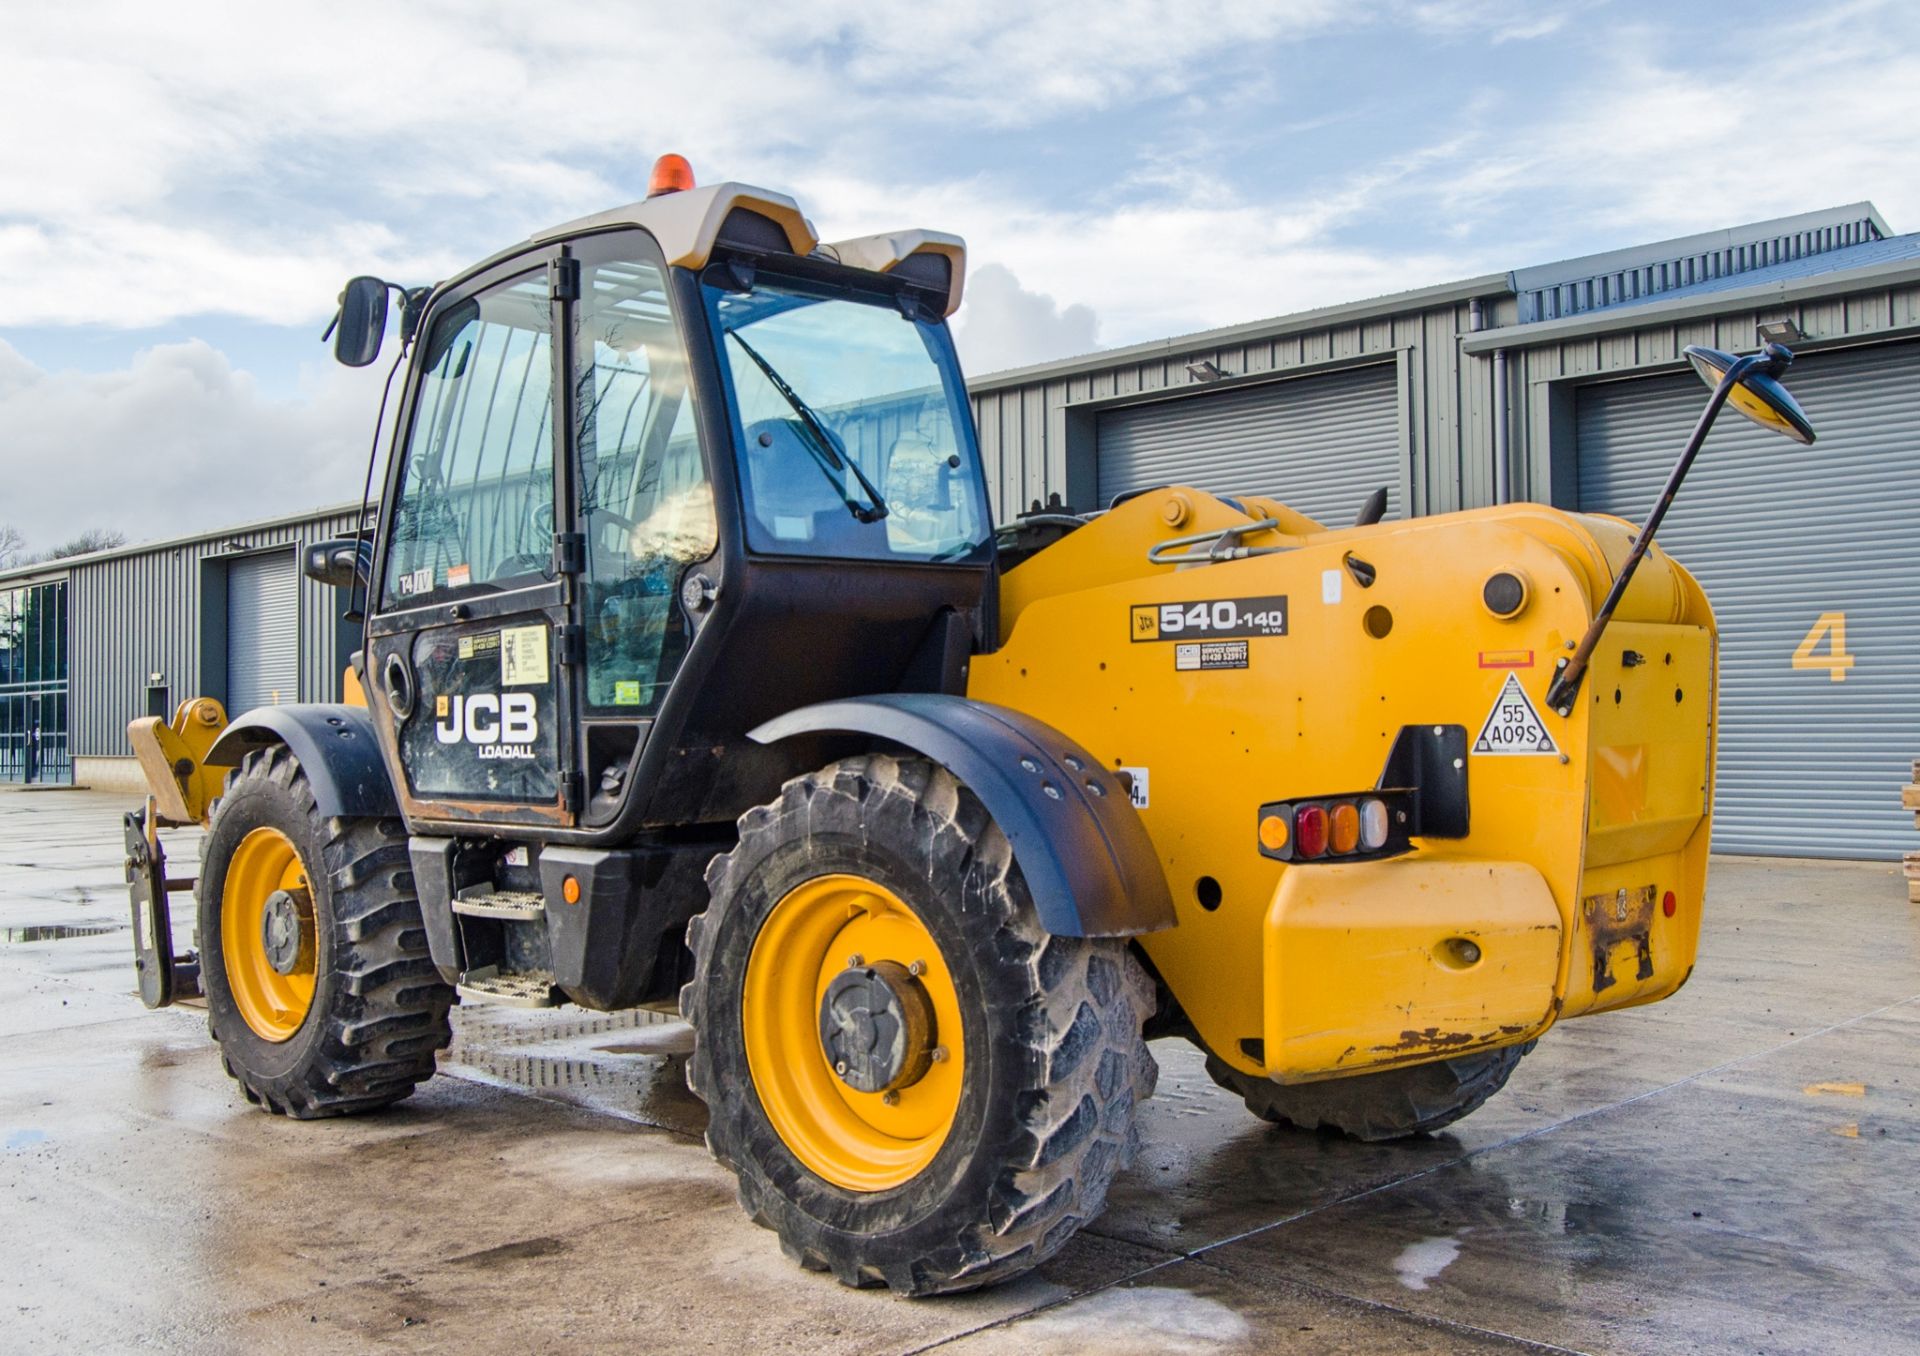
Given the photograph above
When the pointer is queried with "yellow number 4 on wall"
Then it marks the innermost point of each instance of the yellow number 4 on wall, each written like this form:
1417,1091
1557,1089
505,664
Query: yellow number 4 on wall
1832,628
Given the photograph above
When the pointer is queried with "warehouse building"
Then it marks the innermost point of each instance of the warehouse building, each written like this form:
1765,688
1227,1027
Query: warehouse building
1561,383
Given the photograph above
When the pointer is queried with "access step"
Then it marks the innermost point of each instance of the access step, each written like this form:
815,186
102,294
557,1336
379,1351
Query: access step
516,906
532,989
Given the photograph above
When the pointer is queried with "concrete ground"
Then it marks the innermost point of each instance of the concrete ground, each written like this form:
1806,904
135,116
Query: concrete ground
1733,1170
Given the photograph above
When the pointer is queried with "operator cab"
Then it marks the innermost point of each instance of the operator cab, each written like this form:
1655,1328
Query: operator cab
660,476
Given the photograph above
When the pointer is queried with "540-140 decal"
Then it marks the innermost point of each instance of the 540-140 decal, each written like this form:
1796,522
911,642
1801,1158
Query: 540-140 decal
1216,619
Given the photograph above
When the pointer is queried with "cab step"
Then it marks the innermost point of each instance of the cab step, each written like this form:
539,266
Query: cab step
516,906
533,989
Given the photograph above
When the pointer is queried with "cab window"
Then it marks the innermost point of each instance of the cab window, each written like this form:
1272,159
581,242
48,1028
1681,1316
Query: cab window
645,501
853,429
475,501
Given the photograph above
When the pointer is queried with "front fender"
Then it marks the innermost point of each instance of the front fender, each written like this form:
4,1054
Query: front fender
1086,857
336,748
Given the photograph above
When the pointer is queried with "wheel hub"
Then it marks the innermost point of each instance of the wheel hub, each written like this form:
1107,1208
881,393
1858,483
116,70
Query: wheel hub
284,933
876,1025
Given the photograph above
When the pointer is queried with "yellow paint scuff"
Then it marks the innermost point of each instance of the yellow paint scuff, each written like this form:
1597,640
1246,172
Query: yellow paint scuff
1836,1089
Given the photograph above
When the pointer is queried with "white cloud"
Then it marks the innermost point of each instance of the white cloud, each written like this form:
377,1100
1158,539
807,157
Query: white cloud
1002,324
179,441
1816,116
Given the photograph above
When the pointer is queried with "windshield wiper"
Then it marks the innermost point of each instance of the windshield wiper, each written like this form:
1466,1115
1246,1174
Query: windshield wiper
825,445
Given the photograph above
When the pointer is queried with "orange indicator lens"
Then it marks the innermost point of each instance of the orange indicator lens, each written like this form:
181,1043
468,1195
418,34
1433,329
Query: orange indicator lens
1274,832
1345,830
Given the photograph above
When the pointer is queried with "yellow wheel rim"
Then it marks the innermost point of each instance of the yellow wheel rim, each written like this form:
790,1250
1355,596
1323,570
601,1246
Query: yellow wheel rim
273,1004
863,1141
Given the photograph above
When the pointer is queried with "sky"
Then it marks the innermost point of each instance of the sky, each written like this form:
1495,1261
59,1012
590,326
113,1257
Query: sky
184,187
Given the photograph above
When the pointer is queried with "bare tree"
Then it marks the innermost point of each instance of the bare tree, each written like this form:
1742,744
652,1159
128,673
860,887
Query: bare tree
93,539
13,546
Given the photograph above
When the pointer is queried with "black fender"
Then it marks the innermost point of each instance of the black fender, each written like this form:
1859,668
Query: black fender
1088,862
336,748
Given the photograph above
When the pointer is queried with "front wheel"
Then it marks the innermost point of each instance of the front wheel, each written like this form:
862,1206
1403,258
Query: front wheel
914,1084
319,986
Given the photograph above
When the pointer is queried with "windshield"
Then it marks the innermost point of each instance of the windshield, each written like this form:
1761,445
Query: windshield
854,433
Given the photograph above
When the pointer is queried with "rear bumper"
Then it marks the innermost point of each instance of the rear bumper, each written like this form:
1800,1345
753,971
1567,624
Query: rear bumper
1370,965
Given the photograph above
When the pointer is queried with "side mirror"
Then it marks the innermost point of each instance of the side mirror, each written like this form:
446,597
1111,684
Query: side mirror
1758,394
361,322
340,564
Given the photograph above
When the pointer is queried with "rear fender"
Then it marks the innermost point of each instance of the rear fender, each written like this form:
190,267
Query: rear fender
336,747
1086,857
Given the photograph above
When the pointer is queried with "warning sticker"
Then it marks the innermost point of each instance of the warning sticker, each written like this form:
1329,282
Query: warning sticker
1513,727
1211,654
523,656
459,576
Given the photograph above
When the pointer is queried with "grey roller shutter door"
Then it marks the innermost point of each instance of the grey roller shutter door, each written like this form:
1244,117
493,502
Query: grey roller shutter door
1780,535
1318,444
263,632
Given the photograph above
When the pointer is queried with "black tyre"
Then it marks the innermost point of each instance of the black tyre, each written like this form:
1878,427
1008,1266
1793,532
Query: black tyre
319,987
884,879
1391,1104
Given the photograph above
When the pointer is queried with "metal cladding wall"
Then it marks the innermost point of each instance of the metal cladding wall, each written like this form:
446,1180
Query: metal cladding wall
1319,444
1038,427
141,612
1811,557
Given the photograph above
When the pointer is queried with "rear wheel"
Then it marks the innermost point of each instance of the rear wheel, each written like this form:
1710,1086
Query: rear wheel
1391,1104
319,987
915,1085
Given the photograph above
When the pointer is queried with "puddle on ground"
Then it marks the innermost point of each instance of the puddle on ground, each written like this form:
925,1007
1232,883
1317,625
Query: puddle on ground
1124,1320
1419,1262
53,932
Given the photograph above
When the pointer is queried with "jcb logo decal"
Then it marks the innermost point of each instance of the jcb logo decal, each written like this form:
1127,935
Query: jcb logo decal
503,725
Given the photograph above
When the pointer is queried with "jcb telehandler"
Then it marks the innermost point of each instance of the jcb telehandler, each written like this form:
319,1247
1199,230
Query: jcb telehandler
694,672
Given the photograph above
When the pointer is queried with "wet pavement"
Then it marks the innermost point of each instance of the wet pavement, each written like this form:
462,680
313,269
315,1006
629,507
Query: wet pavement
1734,1170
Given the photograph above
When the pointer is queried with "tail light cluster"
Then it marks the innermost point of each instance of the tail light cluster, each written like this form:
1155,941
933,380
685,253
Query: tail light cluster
1336,828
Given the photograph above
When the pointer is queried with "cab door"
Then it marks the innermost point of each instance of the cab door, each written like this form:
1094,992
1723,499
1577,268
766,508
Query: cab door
643,504
471,623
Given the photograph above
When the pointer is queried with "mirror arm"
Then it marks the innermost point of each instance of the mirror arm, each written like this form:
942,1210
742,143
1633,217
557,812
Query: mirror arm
1569,673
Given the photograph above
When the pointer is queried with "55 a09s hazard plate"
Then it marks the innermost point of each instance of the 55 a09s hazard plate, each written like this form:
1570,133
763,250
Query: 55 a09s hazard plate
1215,619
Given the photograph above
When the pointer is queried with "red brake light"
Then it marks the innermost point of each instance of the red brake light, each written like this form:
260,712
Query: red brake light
671,174
1310,831
1667,904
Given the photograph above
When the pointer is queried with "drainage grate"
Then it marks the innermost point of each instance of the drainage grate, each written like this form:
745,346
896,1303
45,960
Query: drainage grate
53,932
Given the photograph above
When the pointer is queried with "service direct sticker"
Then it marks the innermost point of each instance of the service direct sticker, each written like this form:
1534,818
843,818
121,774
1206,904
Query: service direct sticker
1210,654
1215,619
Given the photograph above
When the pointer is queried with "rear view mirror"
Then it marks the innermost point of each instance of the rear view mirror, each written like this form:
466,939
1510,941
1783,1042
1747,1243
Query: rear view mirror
1758,393
361,322
339,564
